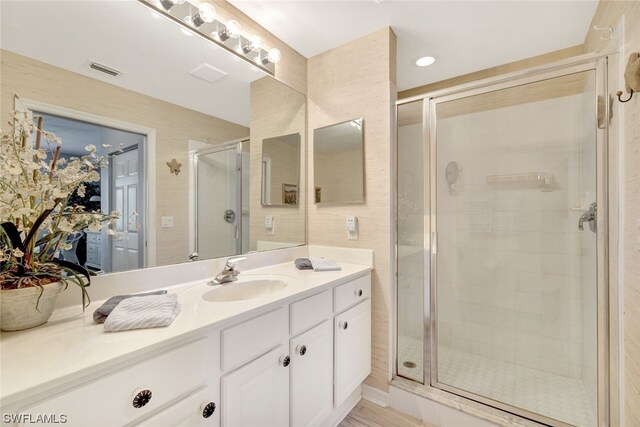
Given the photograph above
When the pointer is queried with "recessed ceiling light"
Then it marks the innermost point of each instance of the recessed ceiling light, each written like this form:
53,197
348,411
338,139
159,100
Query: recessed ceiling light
425,61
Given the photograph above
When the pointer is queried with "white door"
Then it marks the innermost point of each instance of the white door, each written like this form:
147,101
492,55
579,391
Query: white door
312,376
353,349
125,246
257,395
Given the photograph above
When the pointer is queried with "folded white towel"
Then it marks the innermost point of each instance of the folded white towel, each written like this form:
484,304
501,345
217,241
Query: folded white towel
143,312
324,264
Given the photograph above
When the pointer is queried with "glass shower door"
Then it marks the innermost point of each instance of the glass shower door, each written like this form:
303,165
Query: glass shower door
515,280
219,204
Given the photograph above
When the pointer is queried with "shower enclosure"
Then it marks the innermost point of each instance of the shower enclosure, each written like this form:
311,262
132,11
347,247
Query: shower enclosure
501,243
220,210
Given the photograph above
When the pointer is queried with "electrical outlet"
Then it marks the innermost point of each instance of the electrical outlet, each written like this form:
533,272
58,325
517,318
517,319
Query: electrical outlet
269,225
352,227
167,222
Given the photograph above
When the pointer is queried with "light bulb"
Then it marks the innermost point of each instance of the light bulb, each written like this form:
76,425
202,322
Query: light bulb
206,14
233,29
425,61
274,55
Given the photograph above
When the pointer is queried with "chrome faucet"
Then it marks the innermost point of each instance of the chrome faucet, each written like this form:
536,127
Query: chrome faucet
229,272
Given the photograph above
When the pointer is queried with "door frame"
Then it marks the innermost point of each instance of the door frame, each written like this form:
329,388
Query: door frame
607,197
148,181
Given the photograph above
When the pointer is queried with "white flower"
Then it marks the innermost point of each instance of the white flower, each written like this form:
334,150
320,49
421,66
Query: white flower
81,190
17,253
91,148
66,246
107,146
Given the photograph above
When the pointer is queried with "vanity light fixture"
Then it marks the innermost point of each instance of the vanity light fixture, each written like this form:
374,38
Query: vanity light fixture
202,20
206,14
425,61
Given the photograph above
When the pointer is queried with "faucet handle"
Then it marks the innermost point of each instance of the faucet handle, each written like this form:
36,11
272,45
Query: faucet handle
231,262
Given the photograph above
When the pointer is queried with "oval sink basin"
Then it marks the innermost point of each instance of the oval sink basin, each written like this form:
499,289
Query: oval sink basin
245,288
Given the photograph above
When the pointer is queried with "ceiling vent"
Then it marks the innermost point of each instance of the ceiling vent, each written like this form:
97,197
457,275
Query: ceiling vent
208,73
104,69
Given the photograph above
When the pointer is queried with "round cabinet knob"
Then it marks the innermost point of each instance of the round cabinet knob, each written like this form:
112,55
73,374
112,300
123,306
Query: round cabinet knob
358,292
343,325
208,409
141,398
285,360
301,350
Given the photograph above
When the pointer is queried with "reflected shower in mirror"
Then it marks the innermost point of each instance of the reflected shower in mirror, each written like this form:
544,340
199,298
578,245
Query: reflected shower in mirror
192,119
338,162
281,170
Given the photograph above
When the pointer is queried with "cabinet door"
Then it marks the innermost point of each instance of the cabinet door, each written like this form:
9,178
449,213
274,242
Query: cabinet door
312,376
257,394
353,349
189,412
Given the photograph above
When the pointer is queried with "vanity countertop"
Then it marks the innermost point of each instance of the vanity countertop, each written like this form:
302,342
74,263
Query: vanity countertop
71,346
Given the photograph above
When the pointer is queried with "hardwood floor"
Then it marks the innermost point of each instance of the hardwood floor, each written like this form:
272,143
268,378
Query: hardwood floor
367,414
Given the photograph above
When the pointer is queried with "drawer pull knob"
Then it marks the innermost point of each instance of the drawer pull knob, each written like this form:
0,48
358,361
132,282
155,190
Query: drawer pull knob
358,292
285,360
343,325
301,350
141,398
208,409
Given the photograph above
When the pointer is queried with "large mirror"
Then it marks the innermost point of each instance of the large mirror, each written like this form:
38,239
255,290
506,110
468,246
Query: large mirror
338,163
183,121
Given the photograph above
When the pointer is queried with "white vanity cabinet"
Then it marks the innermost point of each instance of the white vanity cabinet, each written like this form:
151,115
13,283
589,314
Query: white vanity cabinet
144,389
352,336
294,364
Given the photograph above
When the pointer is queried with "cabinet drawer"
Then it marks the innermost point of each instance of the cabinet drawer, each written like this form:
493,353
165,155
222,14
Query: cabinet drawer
344,296
189,411
108,401
92,238
248,340
310,312
93,259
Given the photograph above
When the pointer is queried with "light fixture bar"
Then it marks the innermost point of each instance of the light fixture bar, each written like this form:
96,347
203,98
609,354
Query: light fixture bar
217,32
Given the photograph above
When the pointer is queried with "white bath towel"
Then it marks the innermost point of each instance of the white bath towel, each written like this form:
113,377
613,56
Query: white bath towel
324,264
143,312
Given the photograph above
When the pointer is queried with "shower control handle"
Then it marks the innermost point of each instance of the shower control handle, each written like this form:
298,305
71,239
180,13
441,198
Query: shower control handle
591,217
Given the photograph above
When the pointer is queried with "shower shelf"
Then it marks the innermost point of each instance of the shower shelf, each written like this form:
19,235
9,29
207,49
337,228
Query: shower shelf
541,180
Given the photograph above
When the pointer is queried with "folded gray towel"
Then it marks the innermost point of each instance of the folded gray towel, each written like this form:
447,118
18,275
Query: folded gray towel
101,314
324,264
143,312
303,264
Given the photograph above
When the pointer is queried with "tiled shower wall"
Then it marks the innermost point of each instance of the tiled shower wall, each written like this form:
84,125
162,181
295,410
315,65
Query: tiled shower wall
512,278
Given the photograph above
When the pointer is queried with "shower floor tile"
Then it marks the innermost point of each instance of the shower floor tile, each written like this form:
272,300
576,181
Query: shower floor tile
554,396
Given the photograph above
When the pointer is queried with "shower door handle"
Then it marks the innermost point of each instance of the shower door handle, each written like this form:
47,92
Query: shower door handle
590,216
434,242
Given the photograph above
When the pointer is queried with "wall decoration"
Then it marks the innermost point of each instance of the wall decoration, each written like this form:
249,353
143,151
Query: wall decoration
289,194
318,194
174,166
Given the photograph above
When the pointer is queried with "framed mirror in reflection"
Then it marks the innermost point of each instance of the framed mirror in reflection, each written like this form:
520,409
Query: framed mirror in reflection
338,163
145,95
281,170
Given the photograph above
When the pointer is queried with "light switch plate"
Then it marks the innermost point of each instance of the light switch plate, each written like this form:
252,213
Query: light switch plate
269,225
352,227
167,222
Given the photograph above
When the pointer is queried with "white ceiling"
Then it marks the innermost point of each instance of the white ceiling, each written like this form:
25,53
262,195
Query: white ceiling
463,36
152,52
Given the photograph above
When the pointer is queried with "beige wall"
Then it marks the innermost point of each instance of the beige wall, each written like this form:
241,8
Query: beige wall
341,88
285,165
607,15
339,175
174,125
276,110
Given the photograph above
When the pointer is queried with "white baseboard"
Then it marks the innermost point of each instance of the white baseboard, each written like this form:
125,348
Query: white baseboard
343,410
375,395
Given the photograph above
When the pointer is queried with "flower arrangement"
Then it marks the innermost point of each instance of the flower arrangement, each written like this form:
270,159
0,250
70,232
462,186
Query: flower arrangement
36,210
